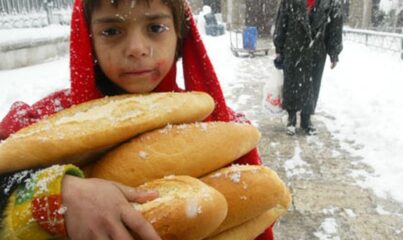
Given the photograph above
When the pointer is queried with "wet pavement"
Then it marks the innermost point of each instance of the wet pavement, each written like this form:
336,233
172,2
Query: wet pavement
328,202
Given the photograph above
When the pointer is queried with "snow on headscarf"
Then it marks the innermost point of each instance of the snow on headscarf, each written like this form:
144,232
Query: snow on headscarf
310,4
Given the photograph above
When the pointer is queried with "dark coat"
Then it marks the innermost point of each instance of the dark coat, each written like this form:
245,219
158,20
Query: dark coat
303,41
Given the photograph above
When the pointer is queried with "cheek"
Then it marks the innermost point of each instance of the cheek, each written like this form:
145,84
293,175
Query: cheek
164,66
104,54
162,63
106,62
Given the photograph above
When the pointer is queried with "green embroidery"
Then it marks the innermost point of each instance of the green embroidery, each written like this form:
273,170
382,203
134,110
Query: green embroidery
25,192
74,171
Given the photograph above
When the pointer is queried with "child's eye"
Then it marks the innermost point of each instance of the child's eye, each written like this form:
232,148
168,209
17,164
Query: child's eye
110,32
158,28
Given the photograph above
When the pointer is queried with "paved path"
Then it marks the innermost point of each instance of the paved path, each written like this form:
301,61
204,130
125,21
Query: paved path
327,201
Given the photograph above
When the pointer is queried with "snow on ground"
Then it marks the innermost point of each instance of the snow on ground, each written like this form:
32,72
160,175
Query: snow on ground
29,84
363,93
328,230
297,166
33,34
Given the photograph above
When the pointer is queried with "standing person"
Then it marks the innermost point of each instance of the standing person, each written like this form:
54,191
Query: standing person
306,31
116,47
201,21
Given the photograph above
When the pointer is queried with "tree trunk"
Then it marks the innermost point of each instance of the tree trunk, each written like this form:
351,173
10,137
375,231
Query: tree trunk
261,14
367,14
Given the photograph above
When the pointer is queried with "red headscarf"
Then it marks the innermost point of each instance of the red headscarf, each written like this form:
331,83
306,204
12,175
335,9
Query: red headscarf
310,4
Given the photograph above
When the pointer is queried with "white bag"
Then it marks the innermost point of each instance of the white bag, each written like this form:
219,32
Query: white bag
273,94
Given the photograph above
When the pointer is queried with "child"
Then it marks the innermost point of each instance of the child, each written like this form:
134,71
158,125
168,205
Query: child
116,47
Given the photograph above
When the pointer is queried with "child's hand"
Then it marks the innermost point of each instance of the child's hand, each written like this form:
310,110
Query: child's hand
98,209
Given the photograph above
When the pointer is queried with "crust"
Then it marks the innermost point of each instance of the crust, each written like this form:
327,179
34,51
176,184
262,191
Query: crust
252,228
188,149
250,191
95,126
187,209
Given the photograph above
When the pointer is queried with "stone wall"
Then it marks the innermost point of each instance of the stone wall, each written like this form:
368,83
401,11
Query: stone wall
26,53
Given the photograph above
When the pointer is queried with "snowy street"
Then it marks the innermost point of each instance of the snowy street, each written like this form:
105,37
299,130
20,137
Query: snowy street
346,180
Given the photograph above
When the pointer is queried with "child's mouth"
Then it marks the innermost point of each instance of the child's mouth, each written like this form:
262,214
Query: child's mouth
140,73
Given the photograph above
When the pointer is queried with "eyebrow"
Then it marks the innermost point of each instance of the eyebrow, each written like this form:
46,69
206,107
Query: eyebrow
120,19
114,19
154,16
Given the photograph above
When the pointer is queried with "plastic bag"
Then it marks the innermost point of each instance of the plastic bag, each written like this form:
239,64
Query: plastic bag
273,94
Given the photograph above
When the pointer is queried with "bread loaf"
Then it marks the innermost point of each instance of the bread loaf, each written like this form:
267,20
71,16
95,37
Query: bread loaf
252,228
74,135
188,149
187,209
249,191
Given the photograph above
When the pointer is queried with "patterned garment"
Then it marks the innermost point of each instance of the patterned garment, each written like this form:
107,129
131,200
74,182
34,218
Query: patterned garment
34,210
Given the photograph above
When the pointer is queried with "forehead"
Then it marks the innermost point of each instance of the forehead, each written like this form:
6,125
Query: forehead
95,4
131,8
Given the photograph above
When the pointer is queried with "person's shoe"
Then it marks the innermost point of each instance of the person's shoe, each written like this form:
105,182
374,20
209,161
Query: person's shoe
307,125
291,130
292,122
310,131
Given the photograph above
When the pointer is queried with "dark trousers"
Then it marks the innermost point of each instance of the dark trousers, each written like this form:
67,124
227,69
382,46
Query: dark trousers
317,72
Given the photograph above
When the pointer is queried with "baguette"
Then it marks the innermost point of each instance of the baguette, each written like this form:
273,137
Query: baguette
187,209
251,229
187,149
249,191
87,130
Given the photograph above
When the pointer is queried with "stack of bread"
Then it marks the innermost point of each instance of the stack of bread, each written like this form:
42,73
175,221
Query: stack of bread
157,141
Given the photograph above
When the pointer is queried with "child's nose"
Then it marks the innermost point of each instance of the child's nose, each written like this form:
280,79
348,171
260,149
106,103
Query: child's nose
137,46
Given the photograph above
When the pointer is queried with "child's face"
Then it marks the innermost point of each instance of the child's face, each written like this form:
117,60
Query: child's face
135,44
